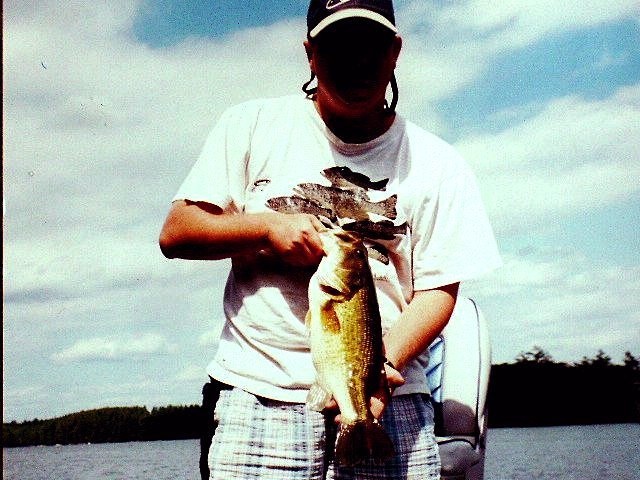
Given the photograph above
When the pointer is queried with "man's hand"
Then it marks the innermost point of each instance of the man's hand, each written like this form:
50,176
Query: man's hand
380,398
202,231
294,238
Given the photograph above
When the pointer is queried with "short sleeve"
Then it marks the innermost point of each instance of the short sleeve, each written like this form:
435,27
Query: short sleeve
219,174
457,242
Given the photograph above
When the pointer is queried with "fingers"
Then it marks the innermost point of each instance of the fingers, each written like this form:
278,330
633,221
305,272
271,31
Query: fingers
377,404
331,408
381,397
294,238
394,377
317,224
331,404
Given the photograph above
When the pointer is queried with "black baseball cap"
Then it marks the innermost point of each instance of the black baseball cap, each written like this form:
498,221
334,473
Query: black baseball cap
323,13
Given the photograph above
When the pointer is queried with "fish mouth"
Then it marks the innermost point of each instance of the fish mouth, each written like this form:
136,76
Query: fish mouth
332,291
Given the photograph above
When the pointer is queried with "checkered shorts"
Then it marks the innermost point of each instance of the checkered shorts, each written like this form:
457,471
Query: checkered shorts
271,440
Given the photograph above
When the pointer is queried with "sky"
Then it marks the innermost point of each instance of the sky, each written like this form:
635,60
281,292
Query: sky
107,105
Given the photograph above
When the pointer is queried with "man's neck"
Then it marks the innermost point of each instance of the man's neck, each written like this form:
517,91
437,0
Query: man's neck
356,128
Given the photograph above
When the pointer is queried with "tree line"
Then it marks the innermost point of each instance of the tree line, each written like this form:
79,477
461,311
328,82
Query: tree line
538,391
107,425
533,391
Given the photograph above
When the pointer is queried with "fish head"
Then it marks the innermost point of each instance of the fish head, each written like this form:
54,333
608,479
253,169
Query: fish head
341,272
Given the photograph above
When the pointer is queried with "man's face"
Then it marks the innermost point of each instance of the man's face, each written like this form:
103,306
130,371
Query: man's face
354,60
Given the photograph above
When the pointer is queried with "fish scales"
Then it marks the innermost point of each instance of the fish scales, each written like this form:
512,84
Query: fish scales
382,230
346,346
345,177
295,204
347,203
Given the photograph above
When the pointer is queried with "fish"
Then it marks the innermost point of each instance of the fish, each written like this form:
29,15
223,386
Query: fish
382,230
345,177
345,338
353,204
295,204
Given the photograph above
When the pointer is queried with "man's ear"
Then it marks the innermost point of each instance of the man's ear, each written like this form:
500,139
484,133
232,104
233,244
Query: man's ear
308,48
397,46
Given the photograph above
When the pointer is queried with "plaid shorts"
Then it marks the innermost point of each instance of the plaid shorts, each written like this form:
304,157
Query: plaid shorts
271,440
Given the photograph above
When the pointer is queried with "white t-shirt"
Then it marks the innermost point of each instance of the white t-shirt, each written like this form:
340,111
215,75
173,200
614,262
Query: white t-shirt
264,149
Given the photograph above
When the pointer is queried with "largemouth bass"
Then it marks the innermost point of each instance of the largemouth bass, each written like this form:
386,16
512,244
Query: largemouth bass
346,346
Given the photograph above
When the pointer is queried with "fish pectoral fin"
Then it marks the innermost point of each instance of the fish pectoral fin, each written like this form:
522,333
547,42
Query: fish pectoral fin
329,318
317,398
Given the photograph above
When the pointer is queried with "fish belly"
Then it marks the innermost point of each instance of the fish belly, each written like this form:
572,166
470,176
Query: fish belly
332,374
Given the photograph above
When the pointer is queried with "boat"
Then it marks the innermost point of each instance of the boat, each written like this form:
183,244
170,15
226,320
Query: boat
458,375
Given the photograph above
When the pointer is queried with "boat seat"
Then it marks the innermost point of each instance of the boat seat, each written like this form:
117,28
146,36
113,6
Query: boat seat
458,375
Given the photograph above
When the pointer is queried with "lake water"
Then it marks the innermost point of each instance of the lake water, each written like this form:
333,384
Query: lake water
594,452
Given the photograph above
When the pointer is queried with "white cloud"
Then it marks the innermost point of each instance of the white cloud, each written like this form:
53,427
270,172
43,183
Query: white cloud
449,46
574,154
210,337
562,301
115,348
96,144
191,373
99,130
512,24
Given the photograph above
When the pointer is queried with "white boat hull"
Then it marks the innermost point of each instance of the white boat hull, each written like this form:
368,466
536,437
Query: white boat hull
458,373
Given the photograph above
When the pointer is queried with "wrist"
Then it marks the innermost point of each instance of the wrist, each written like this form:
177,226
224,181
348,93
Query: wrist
262,226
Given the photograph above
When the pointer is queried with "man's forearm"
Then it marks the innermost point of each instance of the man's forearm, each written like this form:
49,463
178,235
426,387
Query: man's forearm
419,324
201,231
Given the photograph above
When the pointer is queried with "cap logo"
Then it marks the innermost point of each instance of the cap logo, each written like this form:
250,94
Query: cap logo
335,3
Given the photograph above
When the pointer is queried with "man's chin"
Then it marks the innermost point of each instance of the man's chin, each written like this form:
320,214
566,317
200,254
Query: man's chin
357,96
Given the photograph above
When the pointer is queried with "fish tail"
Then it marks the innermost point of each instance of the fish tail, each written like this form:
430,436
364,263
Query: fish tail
362,441
379,185
401,229
388,207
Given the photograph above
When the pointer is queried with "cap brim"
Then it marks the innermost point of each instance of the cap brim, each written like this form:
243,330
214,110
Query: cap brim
352,13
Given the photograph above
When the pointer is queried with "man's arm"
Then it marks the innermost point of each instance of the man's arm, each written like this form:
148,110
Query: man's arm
418,326
201,231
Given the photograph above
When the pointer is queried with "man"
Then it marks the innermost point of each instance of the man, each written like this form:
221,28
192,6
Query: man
262,155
